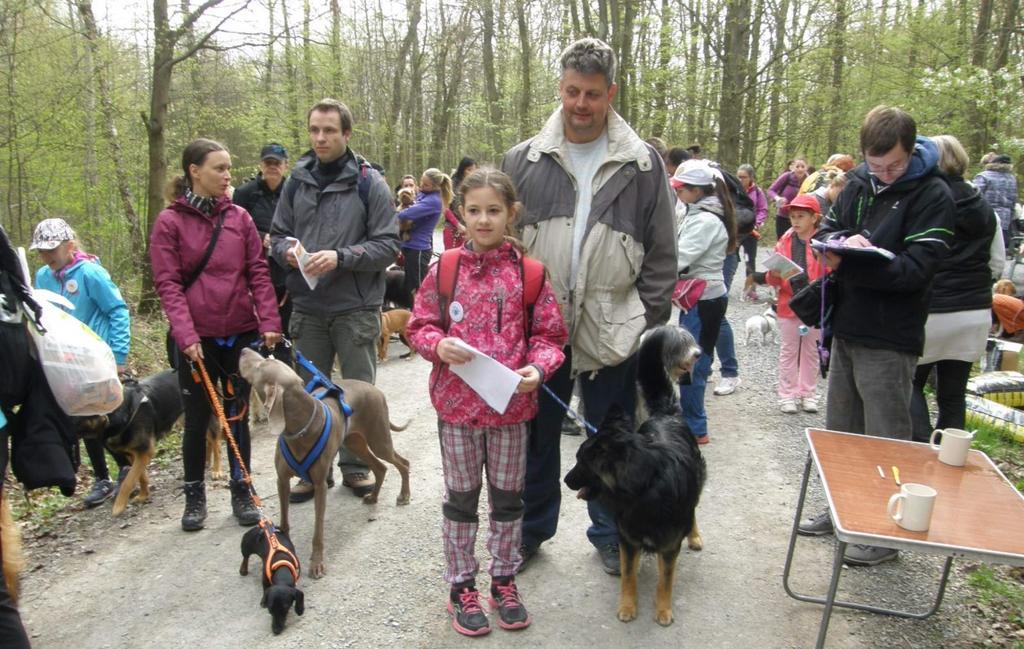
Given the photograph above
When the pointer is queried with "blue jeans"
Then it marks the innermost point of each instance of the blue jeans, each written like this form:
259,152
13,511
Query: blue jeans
704,322
726,345
542,495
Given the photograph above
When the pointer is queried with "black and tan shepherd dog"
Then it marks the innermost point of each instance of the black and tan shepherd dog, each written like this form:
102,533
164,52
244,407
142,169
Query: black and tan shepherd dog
150,408
650,477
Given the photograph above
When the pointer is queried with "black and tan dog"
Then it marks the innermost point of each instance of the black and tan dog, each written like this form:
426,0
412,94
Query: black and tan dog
649,477
300,418
280,568
150,409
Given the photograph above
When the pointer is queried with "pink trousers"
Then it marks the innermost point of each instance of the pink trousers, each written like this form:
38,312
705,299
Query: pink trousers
798,360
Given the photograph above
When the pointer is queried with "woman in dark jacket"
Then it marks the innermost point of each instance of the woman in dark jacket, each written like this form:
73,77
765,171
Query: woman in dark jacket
959,312
215,310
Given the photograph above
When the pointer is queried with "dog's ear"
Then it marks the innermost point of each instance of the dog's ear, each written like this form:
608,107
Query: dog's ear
618,417
300,602
273,404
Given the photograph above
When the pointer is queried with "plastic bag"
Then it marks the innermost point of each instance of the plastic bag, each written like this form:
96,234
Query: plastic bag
78,364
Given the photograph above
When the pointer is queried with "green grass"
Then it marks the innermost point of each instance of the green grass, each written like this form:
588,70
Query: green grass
997,443
1001,591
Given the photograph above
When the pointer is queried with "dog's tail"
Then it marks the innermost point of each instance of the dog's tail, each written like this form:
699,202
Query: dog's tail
661,351
10,546
399,428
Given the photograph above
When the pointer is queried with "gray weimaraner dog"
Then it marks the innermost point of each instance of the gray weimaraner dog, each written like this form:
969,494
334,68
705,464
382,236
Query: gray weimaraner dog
299,419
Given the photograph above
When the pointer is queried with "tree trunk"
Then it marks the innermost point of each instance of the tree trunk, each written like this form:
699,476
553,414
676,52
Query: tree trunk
734,68
774,109
691,72
754,95
138,240
292,85
490,79
626,71
90,169
524,62
268,74
836,112
307,56
661,84
391,148
979,50
336,49
1012,21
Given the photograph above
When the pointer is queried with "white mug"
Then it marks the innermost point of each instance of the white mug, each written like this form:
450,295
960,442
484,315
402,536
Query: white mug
954,446
912,507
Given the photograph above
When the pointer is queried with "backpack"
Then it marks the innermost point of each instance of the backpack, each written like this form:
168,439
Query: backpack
362,185
531,272
742,204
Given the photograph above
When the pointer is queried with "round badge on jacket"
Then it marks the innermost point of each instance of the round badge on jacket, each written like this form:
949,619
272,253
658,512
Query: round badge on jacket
71,286
456,312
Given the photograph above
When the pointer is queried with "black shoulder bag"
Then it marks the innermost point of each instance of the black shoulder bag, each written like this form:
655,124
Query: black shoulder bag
172,347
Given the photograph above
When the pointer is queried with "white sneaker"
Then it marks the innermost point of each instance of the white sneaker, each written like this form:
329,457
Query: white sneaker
810,404
727,385
788,406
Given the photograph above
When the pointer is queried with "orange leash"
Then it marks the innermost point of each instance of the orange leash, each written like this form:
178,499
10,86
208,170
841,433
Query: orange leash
274,546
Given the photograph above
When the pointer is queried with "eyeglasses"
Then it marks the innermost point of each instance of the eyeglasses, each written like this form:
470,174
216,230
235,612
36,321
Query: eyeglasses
894,168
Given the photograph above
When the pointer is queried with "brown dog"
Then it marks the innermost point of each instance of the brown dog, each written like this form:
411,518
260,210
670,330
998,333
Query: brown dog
292,413
393,322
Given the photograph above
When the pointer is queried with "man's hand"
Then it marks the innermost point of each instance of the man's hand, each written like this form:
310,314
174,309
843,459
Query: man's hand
857,241
531,379
449,352
266,241
323,261
289,256
271,339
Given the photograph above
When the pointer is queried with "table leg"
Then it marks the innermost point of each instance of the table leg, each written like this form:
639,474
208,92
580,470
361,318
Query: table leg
793,532
830,599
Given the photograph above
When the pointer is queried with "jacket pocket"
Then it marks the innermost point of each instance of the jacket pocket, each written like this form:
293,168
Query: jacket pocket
620,325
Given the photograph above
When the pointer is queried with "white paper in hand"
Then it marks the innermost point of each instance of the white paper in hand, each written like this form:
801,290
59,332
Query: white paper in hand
302,258
494,382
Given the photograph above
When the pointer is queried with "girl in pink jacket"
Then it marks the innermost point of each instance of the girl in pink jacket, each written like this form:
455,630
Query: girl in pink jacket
486,309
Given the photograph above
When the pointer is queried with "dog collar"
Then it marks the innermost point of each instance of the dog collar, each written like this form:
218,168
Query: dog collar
304,429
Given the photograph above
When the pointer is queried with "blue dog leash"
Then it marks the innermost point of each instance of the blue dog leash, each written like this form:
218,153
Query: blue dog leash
572,413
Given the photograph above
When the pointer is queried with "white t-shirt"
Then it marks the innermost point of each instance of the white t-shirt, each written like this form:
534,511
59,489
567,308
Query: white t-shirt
586,159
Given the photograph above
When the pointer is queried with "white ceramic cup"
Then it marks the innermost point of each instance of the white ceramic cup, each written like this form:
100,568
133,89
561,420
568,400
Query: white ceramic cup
954,446
912,507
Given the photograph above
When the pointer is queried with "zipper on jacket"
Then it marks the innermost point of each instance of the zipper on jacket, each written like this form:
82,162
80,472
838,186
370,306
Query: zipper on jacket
500,296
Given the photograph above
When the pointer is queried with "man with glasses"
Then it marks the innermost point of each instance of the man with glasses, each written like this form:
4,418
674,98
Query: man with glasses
895,200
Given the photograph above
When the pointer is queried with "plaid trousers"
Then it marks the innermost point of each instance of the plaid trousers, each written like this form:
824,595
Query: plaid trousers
465,451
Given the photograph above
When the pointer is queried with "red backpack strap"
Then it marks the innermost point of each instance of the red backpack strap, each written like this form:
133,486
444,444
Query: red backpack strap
447,274
533,280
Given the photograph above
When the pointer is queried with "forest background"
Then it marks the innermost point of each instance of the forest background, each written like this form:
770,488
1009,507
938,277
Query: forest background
96,104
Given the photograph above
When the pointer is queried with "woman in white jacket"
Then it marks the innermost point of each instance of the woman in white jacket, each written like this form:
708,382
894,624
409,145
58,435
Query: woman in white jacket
705,236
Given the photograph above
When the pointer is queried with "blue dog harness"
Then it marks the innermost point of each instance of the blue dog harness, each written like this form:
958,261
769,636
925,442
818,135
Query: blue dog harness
301,469
321,388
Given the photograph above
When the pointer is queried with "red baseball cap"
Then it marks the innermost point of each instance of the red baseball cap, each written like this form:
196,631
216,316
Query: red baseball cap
807,202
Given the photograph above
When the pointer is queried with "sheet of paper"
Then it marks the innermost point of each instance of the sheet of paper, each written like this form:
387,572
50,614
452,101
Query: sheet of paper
494,382
841,249
785,267
302,257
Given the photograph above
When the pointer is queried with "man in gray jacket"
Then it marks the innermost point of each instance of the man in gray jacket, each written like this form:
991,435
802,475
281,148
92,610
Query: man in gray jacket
341,211
609,249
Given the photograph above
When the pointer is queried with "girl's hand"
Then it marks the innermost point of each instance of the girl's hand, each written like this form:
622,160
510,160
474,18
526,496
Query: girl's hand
450,352
774,274
531,379
194,352
271,339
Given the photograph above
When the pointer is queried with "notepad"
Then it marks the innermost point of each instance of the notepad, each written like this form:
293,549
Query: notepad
495,383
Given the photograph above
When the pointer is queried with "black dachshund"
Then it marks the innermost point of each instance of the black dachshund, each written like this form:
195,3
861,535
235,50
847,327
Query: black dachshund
649,477
280,572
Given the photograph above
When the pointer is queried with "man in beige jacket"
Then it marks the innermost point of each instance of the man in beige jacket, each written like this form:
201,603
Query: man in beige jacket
599,214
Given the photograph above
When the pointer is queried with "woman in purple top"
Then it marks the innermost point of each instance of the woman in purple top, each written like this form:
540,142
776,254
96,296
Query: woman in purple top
435,194
783,190
746,176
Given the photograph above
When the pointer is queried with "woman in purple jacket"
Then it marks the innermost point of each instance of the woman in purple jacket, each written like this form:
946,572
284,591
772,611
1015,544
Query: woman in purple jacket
215,310
746,176
783,190
435,194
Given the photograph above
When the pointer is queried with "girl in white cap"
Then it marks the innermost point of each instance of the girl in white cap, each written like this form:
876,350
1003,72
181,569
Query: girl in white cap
80,278
706,235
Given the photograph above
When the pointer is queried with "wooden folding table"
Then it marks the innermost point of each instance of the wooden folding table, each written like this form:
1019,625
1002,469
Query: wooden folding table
978,514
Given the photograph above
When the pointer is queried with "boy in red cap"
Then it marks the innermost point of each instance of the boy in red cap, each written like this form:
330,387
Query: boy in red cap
798,352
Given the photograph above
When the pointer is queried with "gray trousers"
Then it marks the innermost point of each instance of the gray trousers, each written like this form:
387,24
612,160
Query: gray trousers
869,390
352,339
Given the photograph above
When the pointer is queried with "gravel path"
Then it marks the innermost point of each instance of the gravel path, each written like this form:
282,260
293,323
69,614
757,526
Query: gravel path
141,582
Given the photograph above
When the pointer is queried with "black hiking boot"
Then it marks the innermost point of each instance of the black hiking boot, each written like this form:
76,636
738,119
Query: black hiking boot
195,506
242,505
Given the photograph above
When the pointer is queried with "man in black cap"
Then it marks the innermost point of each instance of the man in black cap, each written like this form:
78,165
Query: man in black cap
259,197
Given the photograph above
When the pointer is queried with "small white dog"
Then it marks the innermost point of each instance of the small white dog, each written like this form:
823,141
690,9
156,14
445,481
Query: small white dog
762,326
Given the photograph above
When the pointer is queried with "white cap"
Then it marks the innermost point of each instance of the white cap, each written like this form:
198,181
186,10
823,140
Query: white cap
696,173
50,233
